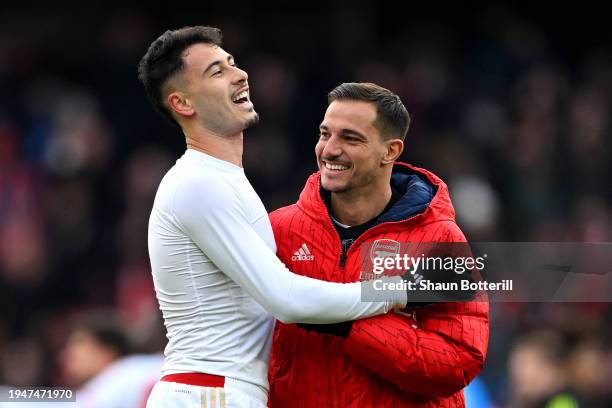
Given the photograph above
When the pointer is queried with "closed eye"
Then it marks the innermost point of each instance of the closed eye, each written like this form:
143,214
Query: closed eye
353,137
220,71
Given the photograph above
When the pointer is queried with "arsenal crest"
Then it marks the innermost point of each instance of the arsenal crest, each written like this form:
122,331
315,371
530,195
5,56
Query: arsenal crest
384,248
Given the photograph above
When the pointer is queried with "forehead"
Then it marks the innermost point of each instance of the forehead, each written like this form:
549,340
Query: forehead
353,115
199,56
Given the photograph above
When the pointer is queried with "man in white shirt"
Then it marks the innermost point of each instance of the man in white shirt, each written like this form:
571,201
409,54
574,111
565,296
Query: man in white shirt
212,250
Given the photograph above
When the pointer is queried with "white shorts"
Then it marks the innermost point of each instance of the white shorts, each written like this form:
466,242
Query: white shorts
235,394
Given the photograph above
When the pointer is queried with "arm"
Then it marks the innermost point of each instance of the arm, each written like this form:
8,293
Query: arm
217,223
438,357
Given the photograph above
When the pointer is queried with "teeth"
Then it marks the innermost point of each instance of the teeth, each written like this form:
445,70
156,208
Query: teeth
243,94
330,166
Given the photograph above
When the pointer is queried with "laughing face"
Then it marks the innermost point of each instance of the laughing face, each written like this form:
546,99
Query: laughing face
350,151
215,90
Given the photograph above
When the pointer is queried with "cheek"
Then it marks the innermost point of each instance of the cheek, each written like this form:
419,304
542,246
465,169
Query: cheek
362,158
373,158
319,149
210,97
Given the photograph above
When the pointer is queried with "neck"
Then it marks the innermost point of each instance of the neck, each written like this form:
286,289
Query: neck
357,207
224,147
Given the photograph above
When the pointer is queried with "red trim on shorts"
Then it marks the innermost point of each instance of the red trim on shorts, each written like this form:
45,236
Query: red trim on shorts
200,379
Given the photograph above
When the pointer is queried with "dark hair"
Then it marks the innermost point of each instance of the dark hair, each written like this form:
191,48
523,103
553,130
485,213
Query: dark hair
164,59
392,118
106,330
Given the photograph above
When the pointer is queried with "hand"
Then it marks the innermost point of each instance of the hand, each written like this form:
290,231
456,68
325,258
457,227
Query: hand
335,329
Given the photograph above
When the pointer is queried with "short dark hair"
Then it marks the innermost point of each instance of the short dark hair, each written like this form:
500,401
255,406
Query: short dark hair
106,330
164,59
392,117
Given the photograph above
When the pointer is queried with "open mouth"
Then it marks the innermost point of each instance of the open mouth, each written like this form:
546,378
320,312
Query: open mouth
335,166
241,98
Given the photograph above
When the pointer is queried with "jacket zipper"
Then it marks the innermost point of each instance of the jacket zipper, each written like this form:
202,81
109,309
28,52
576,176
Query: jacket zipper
342,254
360,238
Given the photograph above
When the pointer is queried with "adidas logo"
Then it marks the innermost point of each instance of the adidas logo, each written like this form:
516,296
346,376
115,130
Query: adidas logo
302,254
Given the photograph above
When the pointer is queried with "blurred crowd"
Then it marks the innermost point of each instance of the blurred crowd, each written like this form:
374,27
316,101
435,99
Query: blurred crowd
508,108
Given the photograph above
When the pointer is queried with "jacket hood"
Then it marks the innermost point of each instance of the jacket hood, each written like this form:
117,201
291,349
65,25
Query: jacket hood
425,197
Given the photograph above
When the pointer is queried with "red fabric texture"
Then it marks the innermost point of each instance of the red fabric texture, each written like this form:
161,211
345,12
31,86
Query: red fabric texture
422,358
199,379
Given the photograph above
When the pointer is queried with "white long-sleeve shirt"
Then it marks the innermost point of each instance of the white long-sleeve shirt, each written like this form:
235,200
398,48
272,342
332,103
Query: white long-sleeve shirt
216,274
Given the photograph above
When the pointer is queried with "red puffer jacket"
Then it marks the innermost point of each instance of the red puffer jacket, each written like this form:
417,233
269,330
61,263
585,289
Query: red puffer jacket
419,359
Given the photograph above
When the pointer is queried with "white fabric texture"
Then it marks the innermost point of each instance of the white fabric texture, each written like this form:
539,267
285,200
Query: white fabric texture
175,395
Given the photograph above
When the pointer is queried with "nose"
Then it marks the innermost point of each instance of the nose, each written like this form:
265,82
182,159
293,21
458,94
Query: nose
241,75
332,147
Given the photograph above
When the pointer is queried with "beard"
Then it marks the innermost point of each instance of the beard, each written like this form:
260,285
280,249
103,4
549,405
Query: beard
252,121
338,189
353,183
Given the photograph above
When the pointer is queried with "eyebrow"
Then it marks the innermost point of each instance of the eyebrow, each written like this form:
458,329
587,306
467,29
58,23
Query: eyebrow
217,62
344,132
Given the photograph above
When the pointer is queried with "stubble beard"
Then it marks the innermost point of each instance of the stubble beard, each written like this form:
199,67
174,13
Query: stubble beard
252,121
340,189
353,184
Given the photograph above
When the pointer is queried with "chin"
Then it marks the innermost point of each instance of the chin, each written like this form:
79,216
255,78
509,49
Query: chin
334,187
252,120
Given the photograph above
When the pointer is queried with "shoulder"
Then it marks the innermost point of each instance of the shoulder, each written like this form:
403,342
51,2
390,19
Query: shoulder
436,231
447,231
282,214
204,195
207,187
450,232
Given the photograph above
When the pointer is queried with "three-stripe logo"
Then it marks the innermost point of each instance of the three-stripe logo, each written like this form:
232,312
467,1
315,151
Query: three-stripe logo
302,254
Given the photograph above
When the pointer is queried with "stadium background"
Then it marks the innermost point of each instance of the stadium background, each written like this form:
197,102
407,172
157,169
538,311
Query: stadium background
510,105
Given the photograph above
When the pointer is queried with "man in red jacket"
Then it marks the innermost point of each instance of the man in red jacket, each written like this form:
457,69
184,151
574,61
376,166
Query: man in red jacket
421,357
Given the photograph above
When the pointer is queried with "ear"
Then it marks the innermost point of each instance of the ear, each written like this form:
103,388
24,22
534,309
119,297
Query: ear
393,150
179,104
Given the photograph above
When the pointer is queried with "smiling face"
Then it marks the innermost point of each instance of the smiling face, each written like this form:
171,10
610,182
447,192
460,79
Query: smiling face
350,152
212,90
